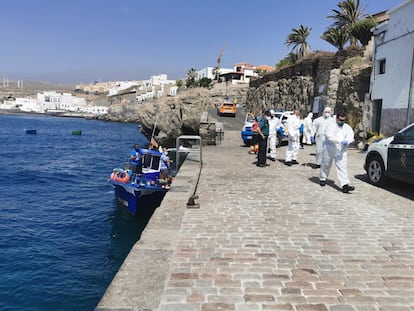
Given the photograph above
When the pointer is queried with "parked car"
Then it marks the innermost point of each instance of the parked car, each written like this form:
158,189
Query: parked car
247,133
227,108
391,158
281,135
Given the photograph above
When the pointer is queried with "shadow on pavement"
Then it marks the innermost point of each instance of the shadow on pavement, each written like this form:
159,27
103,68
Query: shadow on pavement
329,183
397,187
311,165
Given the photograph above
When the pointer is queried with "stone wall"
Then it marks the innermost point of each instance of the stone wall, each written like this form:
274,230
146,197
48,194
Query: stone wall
338,81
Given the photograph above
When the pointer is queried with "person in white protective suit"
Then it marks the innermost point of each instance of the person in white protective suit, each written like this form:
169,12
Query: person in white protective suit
319,126
274,125
338,137
293,126
308,129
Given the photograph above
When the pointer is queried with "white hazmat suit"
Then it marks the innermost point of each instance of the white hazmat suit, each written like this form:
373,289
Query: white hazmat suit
319,127
308,129
274,125
293,125
335,148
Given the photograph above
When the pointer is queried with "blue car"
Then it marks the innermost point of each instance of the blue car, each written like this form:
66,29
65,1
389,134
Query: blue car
247,133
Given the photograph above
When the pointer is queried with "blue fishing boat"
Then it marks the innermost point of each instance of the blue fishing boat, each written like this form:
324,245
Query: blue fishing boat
139,190
32,131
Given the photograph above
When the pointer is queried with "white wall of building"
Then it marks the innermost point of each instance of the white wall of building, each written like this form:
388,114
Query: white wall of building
208,72
392,73
205,73
27,104
121,86
49,100
394,43
173,91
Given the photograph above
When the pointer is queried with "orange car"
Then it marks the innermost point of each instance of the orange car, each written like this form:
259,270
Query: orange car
227,109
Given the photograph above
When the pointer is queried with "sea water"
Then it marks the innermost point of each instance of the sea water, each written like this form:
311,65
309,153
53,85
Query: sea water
63,236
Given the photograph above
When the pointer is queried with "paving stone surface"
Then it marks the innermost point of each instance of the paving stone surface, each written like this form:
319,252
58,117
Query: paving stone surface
273,239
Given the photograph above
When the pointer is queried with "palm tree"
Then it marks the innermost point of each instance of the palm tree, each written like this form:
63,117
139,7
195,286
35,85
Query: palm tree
336,36
348,14
191,78
297,39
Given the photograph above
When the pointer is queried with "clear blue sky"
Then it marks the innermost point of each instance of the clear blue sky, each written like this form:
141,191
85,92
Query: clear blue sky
73,41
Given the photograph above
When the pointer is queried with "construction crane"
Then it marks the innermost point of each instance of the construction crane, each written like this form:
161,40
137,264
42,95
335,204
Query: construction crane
218,66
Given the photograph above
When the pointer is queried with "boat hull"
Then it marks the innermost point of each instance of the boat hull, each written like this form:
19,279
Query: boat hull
136,198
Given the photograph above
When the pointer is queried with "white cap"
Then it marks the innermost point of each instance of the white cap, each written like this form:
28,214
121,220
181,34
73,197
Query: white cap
272,112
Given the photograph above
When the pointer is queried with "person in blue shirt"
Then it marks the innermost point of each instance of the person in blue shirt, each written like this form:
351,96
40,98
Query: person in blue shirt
263,131
165,167
136,159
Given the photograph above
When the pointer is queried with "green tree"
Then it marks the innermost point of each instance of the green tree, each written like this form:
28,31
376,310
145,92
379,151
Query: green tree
191,78
290,59
179,83
297,40
205,82
361,30
338,37
348,14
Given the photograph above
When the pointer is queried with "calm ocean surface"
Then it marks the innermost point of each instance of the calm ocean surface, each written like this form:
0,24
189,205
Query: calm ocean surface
62,234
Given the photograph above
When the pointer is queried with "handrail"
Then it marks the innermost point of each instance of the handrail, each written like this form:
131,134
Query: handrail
179,149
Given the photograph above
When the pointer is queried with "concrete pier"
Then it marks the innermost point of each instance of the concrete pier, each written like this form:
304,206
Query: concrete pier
271,239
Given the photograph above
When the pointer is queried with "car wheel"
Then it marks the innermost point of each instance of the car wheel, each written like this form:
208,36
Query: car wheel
376,170
278,140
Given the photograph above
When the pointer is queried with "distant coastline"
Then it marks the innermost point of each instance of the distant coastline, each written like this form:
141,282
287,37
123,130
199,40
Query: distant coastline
50,113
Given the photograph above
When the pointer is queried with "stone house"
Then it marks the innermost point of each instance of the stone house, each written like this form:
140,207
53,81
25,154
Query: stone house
392,76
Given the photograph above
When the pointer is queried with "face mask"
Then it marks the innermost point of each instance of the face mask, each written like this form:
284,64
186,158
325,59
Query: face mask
268,118
326,115
341,123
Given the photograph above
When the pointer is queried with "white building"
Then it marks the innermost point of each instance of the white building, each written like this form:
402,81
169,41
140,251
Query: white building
27,104
392,77
208,72
241,73
122,86
160,80
52,100
95,110
155,86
